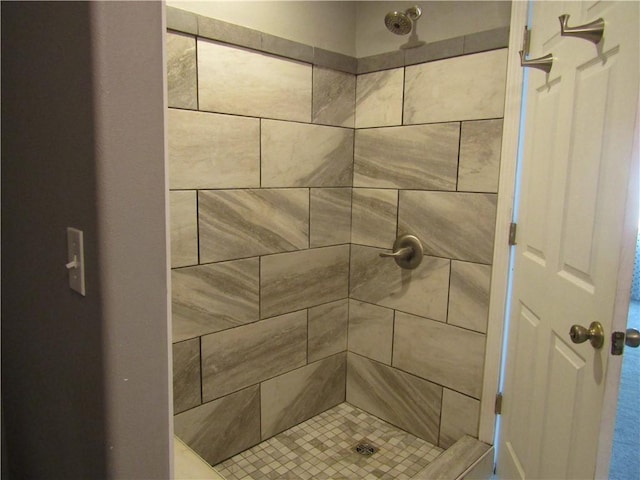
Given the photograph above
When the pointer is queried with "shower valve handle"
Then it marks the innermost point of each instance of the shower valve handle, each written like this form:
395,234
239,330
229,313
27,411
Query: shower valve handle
404,252
407,252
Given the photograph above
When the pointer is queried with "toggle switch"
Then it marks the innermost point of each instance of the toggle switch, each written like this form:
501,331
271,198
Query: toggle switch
75,259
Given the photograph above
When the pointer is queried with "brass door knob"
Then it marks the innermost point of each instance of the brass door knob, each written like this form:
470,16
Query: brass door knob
632,338
595,334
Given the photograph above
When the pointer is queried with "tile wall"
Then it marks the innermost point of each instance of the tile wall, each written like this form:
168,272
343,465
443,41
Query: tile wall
287,180
426,162
261,170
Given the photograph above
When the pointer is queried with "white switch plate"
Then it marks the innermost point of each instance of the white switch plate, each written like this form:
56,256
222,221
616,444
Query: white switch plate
75,253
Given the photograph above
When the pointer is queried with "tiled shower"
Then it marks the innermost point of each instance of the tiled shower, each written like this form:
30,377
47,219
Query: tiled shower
291,169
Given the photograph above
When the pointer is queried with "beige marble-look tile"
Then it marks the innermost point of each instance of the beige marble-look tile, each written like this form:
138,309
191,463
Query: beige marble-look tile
417,156
291,281
210,298
243,356
422,291
469,295
244,82
330,212
440,353
246,223
480,145
184,228
328,329
334,97
471,87
181,71
374,214
304,155
379,98
409,402
370,331
296,396
450,224
460,416
186,375
207,150
218,430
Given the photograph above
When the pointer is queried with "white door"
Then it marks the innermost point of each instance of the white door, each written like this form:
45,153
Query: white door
579,130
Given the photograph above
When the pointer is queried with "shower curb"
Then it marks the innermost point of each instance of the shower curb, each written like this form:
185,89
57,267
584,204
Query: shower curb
467,456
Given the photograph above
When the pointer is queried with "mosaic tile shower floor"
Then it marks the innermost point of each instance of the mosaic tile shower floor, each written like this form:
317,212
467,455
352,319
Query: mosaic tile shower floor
323,448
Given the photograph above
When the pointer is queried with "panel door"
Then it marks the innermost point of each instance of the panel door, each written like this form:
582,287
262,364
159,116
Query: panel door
579,129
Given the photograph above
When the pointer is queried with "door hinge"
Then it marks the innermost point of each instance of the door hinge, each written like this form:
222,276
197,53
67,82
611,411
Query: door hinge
512,233
498,407
526,40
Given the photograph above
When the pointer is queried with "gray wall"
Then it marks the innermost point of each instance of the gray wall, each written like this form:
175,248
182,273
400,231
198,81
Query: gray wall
85,379
440,20
354,28
324,24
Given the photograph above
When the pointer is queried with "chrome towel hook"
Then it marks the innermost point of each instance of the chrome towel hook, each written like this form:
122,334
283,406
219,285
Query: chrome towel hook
592,31
542,63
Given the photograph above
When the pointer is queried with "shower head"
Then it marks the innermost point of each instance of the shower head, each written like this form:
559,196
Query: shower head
400,23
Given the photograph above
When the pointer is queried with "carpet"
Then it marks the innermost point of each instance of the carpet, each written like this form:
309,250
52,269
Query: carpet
625,458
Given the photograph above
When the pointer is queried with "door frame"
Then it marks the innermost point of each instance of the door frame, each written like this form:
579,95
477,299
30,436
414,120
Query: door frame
501,270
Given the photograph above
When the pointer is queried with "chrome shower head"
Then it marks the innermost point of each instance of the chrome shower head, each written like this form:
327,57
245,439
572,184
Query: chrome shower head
400,23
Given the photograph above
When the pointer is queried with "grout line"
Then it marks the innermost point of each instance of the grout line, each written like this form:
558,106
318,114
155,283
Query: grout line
348,324
198,224
260,410
446,318
440,417
404,87
309,221
398,213
313,69
260,152
302,122
259,288
307,338
234,189
393,336
327,303
197,77
201,372
458,157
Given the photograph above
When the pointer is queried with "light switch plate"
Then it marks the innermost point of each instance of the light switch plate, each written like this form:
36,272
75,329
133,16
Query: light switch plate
75,259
